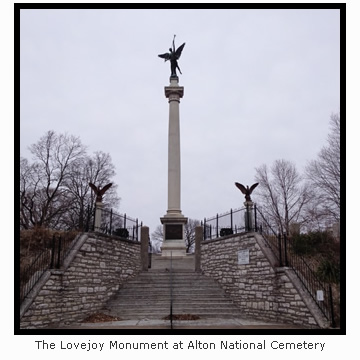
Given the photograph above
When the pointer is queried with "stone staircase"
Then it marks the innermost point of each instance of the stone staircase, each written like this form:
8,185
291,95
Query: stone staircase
148,295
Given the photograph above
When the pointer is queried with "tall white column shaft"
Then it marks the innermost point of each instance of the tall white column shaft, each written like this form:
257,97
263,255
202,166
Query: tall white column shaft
174,221
174,93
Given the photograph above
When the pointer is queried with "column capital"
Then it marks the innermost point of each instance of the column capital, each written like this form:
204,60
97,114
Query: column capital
174,92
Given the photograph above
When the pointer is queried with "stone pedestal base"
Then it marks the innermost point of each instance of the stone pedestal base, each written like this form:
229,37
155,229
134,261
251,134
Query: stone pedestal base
248,216
173,248
98,211
173,243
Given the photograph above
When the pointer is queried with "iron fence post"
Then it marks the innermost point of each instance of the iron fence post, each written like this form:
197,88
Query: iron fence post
94,218
52,252
231,219
171,292
217,225
204,235
141,224
137,230
111,213
285,250
255,218
331,307
59,254
149,253
279,242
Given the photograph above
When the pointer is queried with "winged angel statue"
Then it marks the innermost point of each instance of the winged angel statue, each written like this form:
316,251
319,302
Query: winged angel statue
173,56
245,190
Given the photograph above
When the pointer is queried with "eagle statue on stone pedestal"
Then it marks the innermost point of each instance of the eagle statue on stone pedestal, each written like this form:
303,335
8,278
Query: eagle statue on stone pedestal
246,190
99,192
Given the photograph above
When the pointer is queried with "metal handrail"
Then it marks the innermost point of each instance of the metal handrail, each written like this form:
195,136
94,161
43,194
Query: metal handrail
311,281
283,250
171,292
50,258
32,273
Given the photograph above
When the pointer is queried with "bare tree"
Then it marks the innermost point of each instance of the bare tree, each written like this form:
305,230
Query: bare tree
29,194
43,198
157,238
54,189
282,193
98,170
189,230
324,175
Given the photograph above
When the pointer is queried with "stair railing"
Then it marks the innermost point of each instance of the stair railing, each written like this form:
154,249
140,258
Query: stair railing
49,258
283,249
171,292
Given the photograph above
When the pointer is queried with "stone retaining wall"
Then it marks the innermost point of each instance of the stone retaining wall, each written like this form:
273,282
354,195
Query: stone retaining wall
258,288
98,268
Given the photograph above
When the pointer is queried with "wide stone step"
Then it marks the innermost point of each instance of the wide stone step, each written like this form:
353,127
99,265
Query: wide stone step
198,295
216,301
167,285
180,299
167,275
148,296
165,289
161,313
175,279
166,308
144,311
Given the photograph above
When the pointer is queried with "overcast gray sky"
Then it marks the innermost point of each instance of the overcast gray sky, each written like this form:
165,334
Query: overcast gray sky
259,85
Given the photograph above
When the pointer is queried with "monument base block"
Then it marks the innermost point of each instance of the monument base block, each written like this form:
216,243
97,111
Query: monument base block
173,248
173,243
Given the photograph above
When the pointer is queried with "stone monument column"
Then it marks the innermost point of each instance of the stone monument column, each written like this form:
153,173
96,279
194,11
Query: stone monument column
174,221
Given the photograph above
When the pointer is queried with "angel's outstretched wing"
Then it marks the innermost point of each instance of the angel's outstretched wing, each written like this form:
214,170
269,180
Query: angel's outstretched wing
93,187
253,187
102,191
241,187
179,50
165,56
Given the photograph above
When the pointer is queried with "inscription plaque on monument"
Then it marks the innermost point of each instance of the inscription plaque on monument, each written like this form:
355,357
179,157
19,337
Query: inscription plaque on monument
173,232
243,257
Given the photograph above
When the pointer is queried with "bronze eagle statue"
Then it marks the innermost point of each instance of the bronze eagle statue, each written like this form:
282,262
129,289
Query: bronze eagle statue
246,190
173,56
99,192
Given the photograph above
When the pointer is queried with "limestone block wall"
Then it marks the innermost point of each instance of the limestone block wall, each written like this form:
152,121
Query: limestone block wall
259,289
98,268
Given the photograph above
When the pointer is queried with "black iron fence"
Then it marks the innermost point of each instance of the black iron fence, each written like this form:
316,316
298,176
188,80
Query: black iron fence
119,225
231,222
320,291
283,248
252,219
49,258
150,250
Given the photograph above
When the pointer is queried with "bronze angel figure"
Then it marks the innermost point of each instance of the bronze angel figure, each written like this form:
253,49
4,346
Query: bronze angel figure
246,190
173,56
99,192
